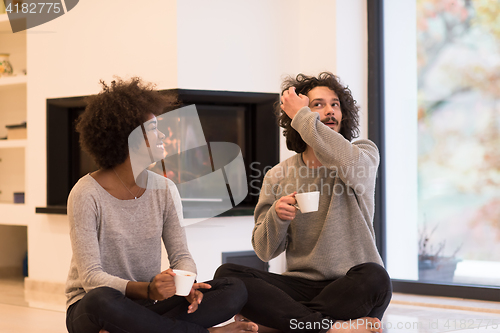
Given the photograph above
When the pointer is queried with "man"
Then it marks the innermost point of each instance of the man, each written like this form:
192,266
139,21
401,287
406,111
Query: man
334,279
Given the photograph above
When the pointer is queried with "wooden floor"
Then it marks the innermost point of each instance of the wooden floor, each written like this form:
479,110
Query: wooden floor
16,319
406,313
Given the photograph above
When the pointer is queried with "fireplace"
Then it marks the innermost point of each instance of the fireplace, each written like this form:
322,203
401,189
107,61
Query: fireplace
245,258
244,118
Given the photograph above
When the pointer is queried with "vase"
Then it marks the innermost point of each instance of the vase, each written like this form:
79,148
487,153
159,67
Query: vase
5,66
438,269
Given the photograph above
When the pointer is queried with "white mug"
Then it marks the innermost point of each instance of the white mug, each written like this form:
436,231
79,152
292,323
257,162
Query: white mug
307,202
183,281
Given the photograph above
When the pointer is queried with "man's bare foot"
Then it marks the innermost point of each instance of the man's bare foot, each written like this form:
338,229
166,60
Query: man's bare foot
365,324
236,327
262,328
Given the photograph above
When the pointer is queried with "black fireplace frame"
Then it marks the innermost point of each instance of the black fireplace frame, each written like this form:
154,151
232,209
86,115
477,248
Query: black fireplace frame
262,141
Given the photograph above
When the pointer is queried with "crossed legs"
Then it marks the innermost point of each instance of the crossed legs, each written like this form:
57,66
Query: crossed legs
290,304
108,310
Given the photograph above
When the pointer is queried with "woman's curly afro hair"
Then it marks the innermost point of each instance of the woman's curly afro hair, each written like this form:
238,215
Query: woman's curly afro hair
303,84
113,114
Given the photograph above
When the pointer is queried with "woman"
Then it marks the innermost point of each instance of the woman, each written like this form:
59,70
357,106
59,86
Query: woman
117,222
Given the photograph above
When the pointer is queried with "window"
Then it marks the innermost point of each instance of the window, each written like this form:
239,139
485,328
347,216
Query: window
458,48
440,124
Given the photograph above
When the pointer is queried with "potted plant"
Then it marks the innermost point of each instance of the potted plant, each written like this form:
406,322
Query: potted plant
433,265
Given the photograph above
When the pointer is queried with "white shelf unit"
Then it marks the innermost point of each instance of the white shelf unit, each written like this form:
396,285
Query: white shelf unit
13,214
14,218
13,143
13,110
12,175
11,81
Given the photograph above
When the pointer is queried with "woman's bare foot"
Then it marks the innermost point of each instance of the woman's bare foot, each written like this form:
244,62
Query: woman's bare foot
365,324
236,327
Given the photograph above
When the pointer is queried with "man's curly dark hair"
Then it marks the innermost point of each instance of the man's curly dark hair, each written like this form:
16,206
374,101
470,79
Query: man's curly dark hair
303,84
113,114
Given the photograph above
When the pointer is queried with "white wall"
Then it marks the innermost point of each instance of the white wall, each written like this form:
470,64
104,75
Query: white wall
194,44
252,45
67,57
236,45
351,28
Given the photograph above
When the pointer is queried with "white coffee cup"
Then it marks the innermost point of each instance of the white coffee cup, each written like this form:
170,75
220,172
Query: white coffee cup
183,281
307,202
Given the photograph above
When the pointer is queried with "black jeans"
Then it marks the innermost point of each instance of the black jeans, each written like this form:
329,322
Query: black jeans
292,304
107,308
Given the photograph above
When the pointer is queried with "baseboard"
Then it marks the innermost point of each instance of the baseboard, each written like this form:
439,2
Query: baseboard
45,294
44,286
446,303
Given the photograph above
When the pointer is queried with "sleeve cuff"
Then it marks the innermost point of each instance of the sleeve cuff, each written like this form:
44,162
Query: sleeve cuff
120,284
276,218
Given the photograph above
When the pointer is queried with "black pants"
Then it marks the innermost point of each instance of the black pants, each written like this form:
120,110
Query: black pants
107,308
292,304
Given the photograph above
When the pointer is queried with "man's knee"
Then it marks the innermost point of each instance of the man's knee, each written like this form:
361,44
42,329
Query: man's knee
237,291
229,270
374,276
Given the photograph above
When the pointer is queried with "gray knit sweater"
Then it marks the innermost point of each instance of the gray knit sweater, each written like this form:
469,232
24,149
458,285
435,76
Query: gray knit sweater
321,245
116,241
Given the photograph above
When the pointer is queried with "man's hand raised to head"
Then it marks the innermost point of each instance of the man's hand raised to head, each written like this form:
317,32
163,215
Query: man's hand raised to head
291,103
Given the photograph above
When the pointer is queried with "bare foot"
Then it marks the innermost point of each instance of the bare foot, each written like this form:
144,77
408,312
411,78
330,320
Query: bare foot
103,331
239,317
365,324
261,328
236,327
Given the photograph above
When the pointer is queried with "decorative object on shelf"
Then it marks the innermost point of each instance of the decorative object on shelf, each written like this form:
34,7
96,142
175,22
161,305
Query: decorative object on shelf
18,197
5,66
17,132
